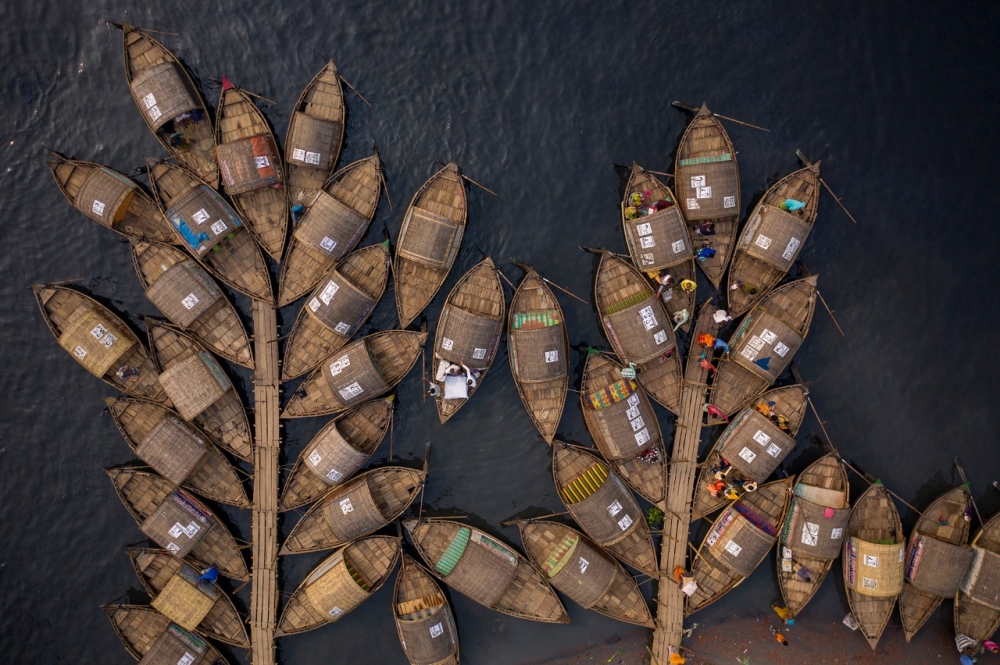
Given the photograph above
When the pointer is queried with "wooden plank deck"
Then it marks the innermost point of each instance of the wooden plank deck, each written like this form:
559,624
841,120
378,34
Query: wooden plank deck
264,577
680,489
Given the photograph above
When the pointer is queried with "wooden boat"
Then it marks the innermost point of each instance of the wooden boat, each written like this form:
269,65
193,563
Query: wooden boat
708,186
200,390
977,603
764,345
938,558
772,238
873,561
190,298
622,423
338,307
356,508
315,134
154,639
484,569
100,341
737,543
538,349
334,220
429,241
342,447
753,446
111,199
250,168
603,507
158,508
180,452
813,536
211,230
424,621
344,580
639,329
658,238
363,370
170,103
467,337
177,594
577,566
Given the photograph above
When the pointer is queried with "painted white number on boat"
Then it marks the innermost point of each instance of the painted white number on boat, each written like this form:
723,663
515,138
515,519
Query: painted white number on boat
218,227
729,202
810,534
80,352
447,344
315,457
186,659
678,246
155,113
173,547
314,304
149,100
692,204
789,252
761,438
328,244
336,612
749,352
756,342
871,561
478,354
334,475
342,328
583,565
98,332
201,216
637,424
338,366
633,400
836,534
660,337
780,349
648,318
98,207
190,301
625,522
108,340
346,506
768,336
312,158
352,391
763,242
868,583
644,229
641,437
647,242
437,630
704,192
329,291
733,548
262,162
552,356
614,508
647,259
773,450
176,530
748,454
299,154
632,412
698,181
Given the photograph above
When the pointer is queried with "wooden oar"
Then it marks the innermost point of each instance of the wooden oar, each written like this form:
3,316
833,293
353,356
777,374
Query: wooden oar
805,271
525,267
837,199
961,474
381,176
423,486
668,175
692,109
482,187
155,32
355,90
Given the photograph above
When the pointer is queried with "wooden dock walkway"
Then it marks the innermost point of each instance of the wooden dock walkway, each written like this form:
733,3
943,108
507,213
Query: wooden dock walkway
264,567
680,489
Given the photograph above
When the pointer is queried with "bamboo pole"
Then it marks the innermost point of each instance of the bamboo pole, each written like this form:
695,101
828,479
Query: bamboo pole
526,267
961,474
837,199
693,109
355,90
482,187
505,278
254,94
830,312
668,175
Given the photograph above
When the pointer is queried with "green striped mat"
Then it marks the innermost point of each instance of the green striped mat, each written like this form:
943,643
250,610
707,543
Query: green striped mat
711,159
454,552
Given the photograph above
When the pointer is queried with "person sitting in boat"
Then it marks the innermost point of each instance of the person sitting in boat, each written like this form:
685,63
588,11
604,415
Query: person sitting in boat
707,365
707,229
662,204
666,286
748,289
631,213
791,205
719,345
721,318
705,340
705,253
715,412
688,285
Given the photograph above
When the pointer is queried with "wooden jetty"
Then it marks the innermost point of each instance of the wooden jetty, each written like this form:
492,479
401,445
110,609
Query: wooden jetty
267,410
677,517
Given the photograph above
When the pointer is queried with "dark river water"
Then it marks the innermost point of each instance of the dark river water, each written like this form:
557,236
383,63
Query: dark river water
538,101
